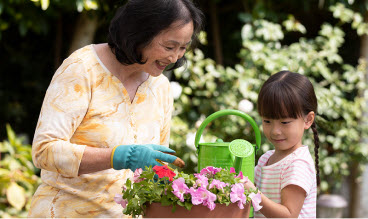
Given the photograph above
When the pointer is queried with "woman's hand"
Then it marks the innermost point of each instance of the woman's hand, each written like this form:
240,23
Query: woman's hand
141,156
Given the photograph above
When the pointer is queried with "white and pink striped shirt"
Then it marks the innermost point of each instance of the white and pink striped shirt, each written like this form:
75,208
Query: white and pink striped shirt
295,169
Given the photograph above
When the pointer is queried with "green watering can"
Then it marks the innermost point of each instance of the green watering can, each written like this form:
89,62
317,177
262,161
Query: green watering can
239,153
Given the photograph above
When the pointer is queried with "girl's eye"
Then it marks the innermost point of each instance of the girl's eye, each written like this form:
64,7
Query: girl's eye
266,121
285,123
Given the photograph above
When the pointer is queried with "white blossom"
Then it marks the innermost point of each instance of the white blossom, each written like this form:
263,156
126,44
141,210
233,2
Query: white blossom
176,89
245,106
190,140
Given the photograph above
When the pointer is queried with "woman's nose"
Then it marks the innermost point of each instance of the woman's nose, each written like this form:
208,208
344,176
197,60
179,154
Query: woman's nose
176,55
173,58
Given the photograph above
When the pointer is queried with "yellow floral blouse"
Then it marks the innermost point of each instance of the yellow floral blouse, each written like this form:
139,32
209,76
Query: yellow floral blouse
85,105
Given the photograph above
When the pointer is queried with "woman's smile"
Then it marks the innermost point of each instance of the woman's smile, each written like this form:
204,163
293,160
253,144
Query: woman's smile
161,65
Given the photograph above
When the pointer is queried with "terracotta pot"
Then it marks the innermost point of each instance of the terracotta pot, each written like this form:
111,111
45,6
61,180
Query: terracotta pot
155,210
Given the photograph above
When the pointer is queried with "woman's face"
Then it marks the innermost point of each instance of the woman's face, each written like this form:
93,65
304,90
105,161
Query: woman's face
167,47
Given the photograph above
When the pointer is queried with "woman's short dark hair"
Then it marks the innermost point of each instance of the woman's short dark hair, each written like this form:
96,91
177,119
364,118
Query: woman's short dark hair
138,22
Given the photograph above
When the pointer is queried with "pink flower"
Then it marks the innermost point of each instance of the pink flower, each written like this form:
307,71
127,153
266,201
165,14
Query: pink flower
218,184
137,174
240,175
202,180
237,195
180,188
203,196
210,170
232,170
256,200
119,200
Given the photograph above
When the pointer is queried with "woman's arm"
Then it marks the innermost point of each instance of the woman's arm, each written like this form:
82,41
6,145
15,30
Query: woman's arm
95,159
64,107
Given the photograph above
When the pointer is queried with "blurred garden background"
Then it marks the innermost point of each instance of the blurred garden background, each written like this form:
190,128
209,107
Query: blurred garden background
244,42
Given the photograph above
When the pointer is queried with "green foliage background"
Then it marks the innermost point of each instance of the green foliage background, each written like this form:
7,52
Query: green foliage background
341,90
267,41
18,176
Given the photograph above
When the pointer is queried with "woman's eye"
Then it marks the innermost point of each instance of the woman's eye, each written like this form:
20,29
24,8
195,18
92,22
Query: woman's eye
169,48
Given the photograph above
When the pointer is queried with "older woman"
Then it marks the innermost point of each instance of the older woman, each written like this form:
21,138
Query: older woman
108,109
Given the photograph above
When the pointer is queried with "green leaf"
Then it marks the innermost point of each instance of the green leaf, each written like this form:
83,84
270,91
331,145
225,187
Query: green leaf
16,196
4,172
188,205
11,134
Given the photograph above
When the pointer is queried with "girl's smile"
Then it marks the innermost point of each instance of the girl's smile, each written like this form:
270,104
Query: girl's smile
286,134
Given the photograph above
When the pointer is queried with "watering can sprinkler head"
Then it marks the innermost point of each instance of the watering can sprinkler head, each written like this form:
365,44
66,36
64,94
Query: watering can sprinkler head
240,149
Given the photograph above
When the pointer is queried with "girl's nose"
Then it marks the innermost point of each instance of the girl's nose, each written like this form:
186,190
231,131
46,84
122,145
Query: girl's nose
275,130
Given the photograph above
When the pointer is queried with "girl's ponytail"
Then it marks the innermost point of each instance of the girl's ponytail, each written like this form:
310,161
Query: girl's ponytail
316,147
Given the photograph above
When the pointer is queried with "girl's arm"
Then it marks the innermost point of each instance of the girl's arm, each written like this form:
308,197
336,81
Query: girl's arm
292,199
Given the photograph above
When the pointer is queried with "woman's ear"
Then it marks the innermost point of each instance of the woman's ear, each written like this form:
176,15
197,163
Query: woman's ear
309,119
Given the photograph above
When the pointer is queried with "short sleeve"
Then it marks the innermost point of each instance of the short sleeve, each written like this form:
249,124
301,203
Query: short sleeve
300,173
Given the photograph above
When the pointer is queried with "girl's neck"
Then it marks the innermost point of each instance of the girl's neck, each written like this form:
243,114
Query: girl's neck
281,154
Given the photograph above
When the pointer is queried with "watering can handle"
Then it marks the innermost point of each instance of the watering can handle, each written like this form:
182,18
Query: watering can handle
226,112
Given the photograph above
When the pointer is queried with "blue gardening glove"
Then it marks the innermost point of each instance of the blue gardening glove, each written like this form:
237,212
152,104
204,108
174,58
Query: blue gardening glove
139,156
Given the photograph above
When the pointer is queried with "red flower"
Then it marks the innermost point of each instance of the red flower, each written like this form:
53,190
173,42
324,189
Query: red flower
163,171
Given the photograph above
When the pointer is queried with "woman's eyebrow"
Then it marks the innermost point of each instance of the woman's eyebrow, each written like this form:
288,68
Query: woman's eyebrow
176,42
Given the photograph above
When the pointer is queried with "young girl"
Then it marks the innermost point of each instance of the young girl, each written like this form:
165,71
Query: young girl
286,176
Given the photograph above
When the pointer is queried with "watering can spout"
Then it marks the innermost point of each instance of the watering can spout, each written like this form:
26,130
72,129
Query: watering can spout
240,149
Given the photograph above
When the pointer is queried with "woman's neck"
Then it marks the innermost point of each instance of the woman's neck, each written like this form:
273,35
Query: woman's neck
125,73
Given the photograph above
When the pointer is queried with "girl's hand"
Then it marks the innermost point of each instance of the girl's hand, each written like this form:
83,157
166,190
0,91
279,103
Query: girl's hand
249,185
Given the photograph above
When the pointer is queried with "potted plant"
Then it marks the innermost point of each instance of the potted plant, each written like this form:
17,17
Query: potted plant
163,192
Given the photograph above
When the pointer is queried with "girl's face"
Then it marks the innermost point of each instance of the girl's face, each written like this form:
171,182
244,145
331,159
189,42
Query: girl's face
286,134
167,47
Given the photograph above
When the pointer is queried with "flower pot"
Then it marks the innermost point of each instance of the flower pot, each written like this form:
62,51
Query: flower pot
155,210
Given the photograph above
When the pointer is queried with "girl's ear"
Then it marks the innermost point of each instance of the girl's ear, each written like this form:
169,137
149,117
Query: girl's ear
309,119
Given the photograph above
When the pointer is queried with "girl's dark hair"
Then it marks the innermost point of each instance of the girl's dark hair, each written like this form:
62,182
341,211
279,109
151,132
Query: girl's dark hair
138,22
289,95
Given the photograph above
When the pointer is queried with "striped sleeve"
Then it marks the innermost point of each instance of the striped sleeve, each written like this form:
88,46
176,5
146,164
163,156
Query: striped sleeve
299,173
